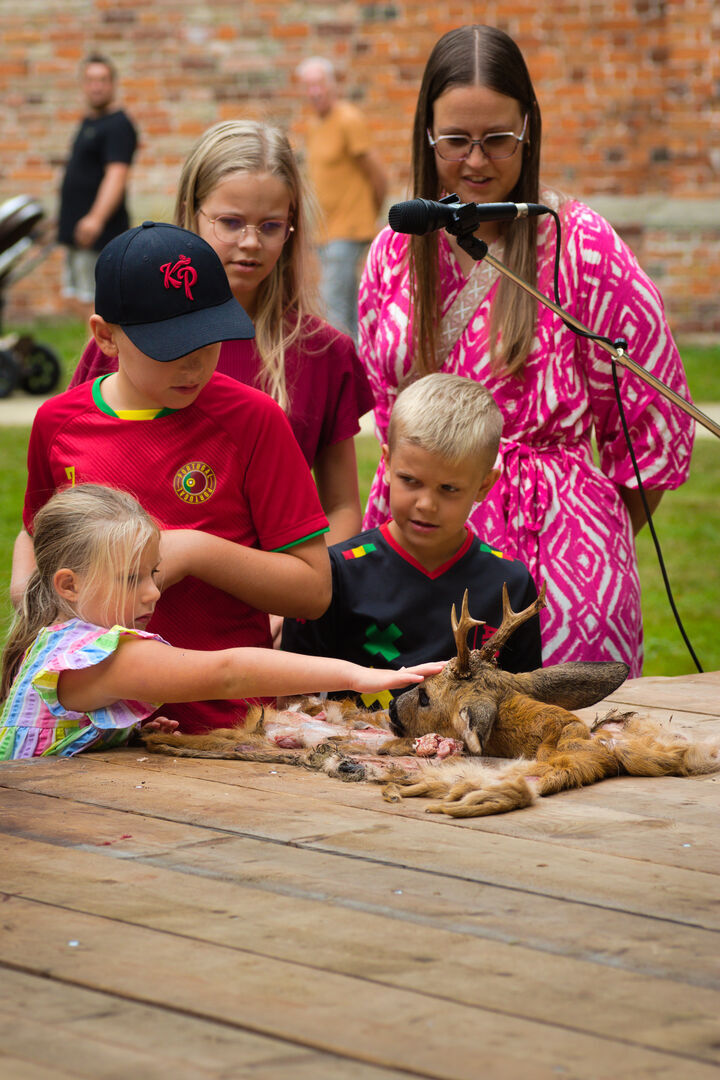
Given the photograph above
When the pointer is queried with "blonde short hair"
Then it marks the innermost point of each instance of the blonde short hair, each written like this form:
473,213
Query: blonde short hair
448,415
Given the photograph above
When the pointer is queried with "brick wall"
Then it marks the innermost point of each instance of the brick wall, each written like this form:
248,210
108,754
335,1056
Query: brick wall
630,93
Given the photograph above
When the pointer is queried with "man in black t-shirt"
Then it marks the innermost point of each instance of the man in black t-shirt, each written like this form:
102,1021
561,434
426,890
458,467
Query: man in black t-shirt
92,198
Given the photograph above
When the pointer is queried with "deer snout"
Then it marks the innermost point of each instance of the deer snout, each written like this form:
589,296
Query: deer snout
395,725
419,711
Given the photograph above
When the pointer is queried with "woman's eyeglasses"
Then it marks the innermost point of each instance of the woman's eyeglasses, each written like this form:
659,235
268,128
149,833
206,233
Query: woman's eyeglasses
496,145
229,229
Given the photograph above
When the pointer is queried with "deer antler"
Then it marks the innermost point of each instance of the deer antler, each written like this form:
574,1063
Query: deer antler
510,622
460,631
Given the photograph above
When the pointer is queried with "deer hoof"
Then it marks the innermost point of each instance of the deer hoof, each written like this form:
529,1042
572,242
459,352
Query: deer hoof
391,793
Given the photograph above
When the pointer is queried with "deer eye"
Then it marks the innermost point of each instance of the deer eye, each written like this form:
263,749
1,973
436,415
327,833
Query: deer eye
423,699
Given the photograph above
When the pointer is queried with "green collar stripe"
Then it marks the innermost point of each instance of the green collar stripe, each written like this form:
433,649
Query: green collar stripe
98,398
105,408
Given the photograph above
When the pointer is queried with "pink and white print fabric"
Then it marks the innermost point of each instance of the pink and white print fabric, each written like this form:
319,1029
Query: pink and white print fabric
553,507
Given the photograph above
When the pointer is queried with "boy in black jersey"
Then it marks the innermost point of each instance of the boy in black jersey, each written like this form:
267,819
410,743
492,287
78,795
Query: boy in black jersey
394,586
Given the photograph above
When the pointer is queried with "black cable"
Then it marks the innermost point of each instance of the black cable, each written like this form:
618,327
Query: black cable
656,542
621,345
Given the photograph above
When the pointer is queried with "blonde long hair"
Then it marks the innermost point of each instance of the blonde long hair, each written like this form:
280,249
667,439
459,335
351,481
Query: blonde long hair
93,530
288,294
477,56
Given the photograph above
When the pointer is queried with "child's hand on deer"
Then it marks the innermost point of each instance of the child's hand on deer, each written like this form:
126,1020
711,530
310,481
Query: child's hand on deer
162,724
365,680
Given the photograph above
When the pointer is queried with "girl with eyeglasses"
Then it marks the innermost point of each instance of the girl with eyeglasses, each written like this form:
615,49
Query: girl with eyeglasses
426,305
240,189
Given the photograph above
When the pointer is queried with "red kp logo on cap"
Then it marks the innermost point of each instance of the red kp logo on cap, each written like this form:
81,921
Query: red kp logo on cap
180,275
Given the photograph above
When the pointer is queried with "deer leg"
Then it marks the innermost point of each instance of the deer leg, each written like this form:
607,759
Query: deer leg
159,742
430,786
575,763
510,793
645,753
437,781
642,747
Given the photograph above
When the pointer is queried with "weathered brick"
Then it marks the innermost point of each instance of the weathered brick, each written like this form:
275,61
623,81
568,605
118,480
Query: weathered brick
629,91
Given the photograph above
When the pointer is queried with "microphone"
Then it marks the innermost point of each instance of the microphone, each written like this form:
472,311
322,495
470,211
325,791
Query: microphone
420,216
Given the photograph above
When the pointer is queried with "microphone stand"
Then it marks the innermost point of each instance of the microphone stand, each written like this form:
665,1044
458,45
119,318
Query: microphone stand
462,230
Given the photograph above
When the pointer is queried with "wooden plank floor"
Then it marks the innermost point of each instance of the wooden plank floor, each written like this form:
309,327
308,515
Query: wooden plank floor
178,919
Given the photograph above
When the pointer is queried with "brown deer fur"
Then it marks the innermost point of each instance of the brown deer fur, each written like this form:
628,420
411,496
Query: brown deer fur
526,717
616,745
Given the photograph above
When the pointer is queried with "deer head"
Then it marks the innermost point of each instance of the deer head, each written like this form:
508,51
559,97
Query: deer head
471,693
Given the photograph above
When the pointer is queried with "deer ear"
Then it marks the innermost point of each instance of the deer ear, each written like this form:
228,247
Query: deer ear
573,685
473,724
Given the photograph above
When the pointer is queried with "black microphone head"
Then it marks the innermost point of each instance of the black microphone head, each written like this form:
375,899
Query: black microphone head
417,216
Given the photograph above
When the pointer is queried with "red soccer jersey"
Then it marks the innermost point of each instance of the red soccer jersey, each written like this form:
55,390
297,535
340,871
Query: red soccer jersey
326,384
227,464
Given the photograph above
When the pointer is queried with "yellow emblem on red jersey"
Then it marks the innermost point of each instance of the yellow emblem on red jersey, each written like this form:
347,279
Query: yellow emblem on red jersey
194,482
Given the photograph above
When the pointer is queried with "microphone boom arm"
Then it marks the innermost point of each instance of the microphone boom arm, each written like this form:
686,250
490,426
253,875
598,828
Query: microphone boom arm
479,251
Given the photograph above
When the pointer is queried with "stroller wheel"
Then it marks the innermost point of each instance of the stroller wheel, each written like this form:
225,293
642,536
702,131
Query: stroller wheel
41,370
8,373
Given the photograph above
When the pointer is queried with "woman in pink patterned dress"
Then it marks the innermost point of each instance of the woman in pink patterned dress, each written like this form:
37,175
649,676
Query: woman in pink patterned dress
425,305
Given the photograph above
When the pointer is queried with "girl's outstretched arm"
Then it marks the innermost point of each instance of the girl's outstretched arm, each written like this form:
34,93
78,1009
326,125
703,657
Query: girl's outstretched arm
145,670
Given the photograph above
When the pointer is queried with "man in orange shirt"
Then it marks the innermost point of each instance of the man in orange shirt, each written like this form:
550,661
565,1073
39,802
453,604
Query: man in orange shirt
349,183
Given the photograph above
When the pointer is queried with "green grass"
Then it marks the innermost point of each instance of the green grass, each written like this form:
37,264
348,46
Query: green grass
13,452
687,522
702,367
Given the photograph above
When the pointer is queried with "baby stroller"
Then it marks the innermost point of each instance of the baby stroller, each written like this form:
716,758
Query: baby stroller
23,362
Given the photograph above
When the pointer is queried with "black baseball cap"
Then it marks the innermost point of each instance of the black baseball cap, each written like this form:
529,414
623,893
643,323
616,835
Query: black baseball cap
167,289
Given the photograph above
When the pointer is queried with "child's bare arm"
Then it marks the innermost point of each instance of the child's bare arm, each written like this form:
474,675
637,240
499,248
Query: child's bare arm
146,670
295,582
23,564
336,476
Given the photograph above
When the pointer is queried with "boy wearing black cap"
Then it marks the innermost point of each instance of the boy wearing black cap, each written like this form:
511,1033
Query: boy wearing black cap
199,450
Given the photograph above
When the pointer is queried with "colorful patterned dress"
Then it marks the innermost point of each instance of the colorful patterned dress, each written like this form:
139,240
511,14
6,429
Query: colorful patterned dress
33,723
553,507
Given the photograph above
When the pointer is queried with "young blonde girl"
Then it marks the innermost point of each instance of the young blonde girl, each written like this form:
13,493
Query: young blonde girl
80,671
241,190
